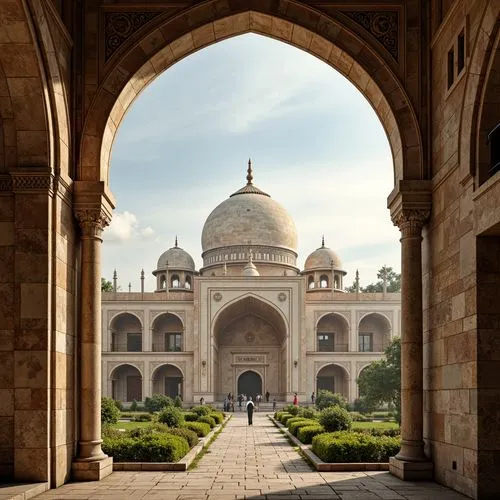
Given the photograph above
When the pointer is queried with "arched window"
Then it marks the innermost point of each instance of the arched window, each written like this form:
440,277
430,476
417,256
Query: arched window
310,282
162,281
187,284
332,334
337,282
175,281
323,281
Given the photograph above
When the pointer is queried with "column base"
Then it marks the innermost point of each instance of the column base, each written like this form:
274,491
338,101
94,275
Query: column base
92,471
411,471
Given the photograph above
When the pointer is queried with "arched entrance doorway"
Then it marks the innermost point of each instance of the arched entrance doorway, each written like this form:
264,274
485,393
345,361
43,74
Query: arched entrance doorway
250,383
250,337
126,384
168,380
333,378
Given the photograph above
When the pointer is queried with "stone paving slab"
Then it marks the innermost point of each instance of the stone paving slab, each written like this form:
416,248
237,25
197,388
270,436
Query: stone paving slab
256,463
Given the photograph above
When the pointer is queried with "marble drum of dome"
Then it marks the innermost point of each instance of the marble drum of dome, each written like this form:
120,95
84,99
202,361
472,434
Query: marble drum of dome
250,220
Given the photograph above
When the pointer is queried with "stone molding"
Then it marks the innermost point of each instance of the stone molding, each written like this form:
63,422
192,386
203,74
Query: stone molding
113,313
411,222
5,182
381,24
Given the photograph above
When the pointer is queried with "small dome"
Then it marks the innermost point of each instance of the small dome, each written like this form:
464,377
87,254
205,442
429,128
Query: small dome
250,269
322,258
176,258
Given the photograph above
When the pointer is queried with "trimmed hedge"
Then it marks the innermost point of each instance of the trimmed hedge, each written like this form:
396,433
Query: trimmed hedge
295,426
201,428
278,414
217,416
335,418
190,416
285,418
308,412
189,435
307,432
201,410
143,417
374,431
208,420
345,446
294,410
172,416
155,447
293,420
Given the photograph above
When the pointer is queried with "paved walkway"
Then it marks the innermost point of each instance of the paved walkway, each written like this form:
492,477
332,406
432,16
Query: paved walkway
256,463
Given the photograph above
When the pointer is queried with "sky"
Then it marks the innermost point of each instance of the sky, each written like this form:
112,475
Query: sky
317,147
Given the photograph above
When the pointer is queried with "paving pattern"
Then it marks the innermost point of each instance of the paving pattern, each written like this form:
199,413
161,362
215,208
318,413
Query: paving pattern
253,462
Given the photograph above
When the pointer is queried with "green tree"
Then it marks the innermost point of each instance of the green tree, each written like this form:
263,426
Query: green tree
392,280
106,286
325,399
109,411
380,381
157,402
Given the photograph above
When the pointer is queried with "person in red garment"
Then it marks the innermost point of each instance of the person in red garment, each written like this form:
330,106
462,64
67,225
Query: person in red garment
296,400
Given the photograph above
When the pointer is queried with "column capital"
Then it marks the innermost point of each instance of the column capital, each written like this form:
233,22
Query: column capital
410,205
93,206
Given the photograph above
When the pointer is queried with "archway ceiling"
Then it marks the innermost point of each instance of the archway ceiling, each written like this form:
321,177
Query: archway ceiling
250,306
347,38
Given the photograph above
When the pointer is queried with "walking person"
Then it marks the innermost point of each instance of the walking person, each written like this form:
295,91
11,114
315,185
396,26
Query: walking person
274,404
313,397
267,396
250,407
295,400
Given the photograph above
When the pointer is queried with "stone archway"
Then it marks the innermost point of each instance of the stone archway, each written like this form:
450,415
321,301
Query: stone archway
250,383
250,335
168,379
126,383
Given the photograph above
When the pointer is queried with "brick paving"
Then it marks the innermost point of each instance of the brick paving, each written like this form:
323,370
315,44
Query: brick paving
254,462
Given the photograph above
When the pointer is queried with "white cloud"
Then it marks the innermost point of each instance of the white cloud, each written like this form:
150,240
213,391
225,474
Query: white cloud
124,226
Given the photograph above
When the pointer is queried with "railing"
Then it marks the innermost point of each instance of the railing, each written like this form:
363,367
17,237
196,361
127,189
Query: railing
123,347
333,348
380,347
160,347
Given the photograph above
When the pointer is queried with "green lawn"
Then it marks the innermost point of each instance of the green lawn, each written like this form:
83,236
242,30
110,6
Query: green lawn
129,425
375,425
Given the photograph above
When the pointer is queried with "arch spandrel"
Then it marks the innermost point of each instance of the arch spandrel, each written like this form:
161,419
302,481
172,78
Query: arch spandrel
304,28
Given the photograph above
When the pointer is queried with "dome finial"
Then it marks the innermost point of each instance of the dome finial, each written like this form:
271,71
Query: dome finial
176,242
249,172
323,241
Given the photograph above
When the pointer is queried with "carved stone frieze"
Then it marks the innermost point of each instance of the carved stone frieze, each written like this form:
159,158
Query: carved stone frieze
118,26
383,25
29,181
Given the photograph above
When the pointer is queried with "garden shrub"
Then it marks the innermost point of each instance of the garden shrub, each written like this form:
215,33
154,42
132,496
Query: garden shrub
325,398
335,418
126,415
157,402
208,420
217,416
134,406
190,416
277,415
374,431
284,415
285,418
201,428
109,411
351,447
294,410
357,417
293,419
178,401
293,428
172,416
308,412
143,417
154,447
189,435
306,433
201,410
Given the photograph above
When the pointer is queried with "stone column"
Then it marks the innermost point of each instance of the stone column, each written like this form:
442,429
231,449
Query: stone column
93,212
410,215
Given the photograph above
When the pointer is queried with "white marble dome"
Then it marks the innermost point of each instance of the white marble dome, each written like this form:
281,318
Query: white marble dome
177,259
322,258
249,217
